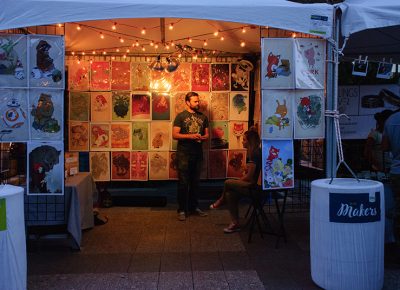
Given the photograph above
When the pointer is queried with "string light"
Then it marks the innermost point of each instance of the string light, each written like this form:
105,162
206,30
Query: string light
83,53
294,35
128,50
242,44
137,43
195,56
73,53
114,26
147,58
117,50
205,43
78,27
121,40
143,32
143,48
180,55
101,35
216,33
93,52
171,26
113,57
222,38
124,56
104,52
190,40
91,61
167,46
243,29
59,24
152,43
79,62
156,46
172,43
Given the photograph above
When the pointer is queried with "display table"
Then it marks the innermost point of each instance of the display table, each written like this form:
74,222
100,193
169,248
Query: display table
12,239
347,227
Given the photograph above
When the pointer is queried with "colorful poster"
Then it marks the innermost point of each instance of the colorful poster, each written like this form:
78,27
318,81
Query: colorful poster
219,107
120,165
220,77
140,76
100,166
46,114
158,165
160,106
309,54
236,163
204,102
139,166
239,106
277,166
78,136
79,106
100,76
236,132
160,135
173,166
45,168
141,106
120,75
121,135
121,106
217,164
78,75
13,61
100,137
277,120
14,115
309,107
100,106
240,76
219,134
181,78
277,63
200,77
46,61
140,135
179,103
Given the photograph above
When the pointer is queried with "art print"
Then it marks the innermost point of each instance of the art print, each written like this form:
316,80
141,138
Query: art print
236,133
100,76
139,166
277,166
277,120
204,101
140,135
160,81
100,139
45,168
200,77
14,112
220,77
140,76
46,114
120,165
240,76
360,68
120,75
179,103
78,136
384,70
13,60
217,164
121,106
160,136
309,122
141,109
121,135
181,78
236,163
219,107
277,63
310,63
100,166
100,106
158,165
79,106
173,166
219,134
46,61
239,106
160,106
78,75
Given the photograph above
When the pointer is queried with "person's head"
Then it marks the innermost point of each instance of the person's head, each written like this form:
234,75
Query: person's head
192,101
251,140
381,118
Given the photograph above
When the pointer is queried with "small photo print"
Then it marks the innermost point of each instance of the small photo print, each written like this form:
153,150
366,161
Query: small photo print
360,68
384,70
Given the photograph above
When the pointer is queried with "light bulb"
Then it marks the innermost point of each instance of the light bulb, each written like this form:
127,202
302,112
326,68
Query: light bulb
101,35
121,40
104,52
93,52
59,24
216,33
128,50
143,31
152,43
171,26
143,48
190,40
222,38
117,50
242,44
205,43
137,43
243,29
294,35
78,27
114,26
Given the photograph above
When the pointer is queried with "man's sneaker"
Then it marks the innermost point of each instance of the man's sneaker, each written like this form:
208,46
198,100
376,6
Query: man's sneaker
199,212
181,216
232,228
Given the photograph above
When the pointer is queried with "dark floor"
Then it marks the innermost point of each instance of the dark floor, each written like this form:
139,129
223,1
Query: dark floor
147,248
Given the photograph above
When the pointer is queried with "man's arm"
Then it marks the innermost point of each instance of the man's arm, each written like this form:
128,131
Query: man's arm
178,136
205,136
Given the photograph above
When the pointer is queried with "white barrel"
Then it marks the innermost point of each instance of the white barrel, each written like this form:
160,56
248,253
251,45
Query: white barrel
347,230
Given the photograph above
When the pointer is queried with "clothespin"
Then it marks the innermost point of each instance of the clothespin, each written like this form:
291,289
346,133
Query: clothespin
366,58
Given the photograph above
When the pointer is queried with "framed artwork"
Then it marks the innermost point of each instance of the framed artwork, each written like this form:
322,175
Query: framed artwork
100,137
277,120
14,122
100,106
239,106
220,77
140,135
236,163
46,61
173,166
200,77
158,165
78,75
120,165
100,76
309,119
45,168
14,61
219,135
204,103
139,166
219,107
160,133
217,164
120,75
236,132
121,106
240,76
141,109
46,114
181,78
277,164
140,76
179,103
160,106
310,57
78,136
79,106
277,63
100,166
121,135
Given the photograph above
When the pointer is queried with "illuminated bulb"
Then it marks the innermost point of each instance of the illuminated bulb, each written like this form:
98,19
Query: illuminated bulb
152,43
222,38
59,24
180,55
114,26
190,40
113,57
124,56
91,61
205,43
156,46
195,56
117,50
93,52
167,46
101,35
143,31
121,40
147,58
205,58
213,51
266,27
83,53
143,48
243,29
104,52
78,62
137,43
78,27
172,43
73,53
128,51
242,44
216,33
293,35
171,26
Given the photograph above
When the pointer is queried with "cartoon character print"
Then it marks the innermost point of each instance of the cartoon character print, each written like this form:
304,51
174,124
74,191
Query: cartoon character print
157,141
43,115
274,69
237,161
9,59
310,56
100,103
44,63
279,119
100,137
309,111
121,163
14,116
277,174
79,135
